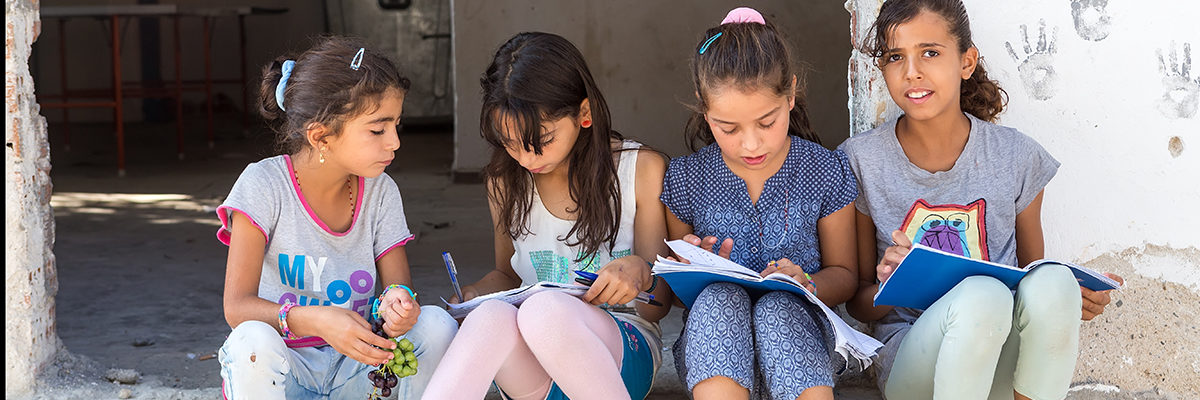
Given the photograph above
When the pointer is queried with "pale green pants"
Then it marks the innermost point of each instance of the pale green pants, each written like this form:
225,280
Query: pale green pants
980,341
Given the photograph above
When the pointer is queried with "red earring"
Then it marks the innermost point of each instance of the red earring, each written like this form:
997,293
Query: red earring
587,123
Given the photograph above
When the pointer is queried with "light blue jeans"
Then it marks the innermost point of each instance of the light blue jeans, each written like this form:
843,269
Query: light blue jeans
255,363
979,341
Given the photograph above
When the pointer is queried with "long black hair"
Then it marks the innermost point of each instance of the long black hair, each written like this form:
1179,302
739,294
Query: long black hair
979,95
536,77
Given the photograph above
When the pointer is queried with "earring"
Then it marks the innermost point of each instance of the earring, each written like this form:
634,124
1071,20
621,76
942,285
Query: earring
587,123
322,159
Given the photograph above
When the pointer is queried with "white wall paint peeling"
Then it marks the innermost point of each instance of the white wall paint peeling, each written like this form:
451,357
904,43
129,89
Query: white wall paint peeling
1097,95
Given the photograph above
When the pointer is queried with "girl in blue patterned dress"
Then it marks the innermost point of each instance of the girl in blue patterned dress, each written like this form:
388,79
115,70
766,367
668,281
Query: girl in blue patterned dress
781,202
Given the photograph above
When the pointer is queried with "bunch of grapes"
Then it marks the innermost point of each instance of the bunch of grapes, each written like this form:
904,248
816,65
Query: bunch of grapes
402,364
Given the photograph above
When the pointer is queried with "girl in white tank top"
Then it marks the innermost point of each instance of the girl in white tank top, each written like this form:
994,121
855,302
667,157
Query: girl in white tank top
566,193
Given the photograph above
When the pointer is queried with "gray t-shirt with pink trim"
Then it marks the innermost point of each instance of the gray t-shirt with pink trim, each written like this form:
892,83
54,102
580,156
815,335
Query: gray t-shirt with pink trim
306,262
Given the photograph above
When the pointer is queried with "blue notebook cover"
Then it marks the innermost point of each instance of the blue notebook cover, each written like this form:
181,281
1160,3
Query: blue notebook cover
688,284
926,274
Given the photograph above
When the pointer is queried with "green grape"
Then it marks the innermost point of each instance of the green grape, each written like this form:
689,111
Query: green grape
402,364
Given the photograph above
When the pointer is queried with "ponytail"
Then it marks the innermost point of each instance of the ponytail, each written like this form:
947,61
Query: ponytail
268,105
982,97
745,51
329,85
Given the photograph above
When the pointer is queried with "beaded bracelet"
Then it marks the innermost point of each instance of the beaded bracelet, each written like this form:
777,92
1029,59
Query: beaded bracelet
283,326
375,304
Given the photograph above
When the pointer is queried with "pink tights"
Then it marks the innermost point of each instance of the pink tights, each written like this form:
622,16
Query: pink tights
553,337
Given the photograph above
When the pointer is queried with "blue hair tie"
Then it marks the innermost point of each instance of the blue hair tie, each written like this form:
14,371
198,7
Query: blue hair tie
287,73
709,42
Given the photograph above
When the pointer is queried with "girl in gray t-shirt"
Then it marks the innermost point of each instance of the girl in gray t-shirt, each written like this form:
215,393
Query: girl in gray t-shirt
944,176
314,233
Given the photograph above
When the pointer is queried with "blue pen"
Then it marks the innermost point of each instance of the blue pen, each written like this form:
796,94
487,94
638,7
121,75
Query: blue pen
453,274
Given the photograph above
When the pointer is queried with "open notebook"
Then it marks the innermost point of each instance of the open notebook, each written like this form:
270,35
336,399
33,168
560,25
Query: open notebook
514,296
926,274
687,280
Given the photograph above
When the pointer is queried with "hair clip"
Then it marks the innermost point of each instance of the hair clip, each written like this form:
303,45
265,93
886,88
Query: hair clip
709,42
742,15
283,80
358,57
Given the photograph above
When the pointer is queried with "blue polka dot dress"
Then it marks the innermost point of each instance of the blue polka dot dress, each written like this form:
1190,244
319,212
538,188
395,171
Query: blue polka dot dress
774,345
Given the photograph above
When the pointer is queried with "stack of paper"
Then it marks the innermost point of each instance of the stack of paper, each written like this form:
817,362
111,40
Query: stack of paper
687,280
513,296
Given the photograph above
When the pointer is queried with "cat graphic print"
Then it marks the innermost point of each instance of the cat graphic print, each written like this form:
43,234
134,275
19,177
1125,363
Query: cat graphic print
953,228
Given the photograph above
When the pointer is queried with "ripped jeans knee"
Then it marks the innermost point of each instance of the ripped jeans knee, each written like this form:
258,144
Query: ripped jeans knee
254,363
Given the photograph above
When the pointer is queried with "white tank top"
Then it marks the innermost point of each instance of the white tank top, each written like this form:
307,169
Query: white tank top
543,254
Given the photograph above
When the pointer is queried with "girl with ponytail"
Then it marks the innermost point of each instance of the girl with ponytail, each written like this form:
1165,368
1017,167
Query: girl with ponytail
945,176
317,280
780,202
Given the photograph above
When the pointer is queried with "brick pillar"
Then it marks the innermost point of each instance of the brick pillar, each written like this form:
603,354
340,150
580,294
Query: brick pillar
30,340
870,104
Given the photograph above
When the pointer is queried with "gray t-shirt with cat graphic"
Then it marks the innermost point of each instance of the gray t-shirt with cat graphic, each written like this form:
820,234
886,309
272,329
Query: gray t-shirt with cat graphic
969,210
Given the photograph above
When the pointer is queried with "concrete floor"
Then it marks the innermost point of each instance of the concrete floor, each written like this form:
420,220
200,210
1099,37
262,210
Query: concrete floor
140,270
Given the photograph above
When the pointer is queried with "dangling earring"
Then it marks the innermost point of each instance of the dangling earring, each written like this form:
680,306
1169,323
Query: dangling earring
587,123
322,159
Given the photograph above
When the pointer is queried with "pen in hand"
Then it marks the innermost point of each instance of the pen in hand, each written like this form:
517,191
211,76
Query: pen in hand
453,271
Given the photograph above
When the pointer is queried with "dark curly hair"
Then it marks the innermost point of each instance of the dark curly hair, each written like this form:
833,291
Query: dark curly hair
979,96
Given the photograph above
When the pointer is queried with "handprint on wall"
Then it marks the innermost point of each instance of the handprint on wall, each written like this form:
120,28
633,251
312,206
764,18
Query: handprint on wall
1037,70
1182,93
1091,19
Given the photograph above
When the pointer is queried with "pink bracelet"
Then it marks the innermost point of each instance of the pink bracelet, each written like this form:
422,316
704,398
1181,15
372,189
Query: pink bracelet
283,326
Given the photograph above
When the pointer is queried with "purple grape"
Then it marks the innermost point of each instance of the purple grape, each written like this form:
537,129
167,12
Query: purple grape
391,381
385,392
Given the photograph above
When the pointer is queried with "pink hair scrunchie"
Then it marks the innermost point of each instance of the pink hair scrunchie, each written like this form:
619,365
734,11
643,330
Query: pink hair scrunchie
743,15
